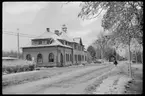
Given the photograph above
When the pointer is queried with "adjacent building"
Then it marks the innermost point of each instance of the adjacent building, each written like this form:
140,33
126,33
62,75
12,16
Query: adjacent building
55,49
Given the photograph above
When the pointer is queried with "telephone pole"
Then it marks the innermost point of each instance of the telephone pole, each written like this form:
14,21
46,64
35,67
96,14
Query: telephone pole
18,42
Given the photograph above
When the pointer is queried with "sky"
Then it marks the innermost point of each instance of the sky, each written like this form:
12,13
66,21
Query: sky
34,17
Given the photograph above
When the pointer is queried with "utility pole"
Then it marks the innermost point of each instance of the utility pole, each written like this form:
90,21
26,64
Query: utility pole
18,42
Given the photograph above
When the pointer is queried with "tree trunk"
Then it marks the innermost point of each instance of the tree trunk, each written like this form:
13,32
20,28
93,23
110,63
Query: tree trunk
130,73
142,58
101,54
136,56
116,54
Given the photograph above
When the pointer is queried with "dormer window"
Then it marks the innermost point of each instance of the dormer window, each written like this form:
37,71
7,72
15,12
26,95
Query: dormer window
39,42
43,42
48,41
65,43
33,43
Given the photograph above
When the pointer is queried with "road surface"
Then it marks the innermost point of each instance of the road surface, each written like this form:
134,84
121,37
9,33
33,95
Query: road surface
73,82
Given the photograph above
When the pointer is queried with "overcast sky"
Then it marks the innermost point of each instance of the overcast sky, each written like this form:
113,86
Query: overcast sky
34,17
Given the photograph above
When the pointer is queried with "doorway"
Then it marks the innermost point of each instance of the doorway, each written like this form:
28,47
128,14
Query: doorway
61,60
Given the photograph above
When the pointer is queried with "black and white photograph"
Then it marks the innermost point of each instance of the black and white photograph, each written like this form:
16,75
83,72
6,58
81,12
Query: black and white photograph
72,47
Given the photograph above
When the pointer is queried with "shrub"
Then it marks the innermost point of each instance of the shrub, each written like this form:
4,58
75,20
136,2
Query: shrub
17,66
20,69
31,67
9,70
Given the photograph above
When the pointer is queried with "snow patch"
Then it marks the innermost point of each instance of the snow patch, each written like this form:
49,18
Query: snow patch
20,73
140,66
108,85
121,84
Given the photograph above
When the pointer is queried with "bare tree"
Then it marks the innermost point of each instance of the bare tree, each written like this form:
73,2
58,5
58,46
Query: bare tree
118,18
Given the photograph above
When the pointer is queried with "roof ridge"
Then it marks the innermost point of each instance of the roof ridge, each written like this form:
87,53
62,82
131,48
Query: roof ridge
77,37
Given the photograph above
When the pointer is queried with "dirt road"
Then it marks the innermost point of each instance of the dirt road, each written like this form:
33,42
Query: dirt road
67,83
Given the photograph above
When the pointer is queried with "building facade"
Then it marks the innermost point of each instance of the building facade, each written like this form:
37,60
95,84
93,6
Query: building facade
55,49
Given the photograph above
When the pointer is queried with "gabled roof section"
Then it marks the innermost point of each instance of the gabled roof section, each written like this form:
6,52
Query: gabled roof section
78,40
64,36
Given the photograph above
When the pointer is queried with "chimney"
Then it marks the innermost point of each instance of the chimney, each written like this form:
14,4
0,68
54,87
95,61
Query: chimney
64,28
57,32
47,29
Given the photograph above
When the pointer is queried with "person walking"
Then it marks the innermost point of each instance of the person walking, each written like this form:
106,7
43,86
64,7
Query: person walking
115,62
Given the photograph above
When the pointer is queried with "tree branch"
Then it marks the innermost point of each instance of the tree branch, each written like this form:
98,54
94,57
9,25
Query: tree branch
96,15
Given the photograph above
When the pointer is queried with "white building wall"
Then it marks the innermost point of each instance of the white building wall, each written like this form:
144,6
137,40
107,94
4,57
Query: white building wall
45,53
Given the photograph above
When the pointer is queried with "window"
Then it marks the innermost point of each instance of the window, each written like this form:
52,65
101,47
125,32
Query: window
78,57
85,58
51,57
33,43
48,42
28,57
39,42
82,58
75,46
75,57
78,47
39,58
65,42
70,57
44,42
66,57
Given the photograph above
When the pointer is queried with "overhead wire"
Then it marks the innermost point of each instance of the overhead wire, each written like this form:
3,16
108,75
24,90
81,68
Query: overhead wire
20,34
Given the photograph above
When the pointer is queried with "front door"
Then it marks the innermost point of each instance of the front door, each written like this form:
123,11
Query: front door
61,59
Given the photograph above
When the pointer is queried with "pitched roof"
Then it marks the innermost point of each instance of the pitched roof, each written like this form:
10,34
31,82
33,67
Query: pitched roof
62,36
54,43
52,35
48,35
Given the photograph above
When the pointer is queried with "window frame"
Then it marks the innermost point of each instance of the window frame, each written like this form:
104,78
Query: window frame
70,57
28,57
40,59
51,57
